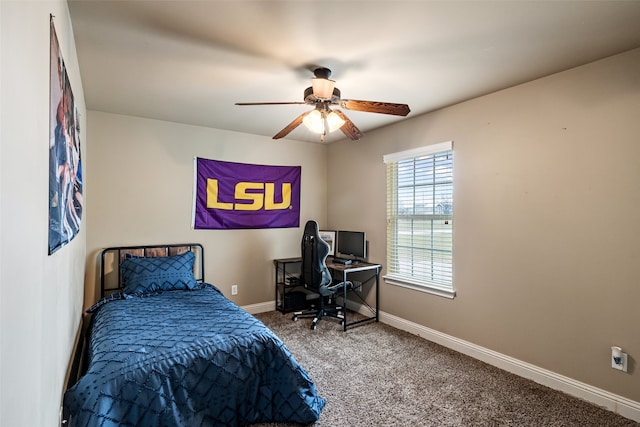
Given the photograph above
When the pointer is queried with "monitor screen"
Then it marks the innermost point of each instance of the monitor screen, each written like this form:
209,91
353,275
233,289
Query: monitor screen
352,243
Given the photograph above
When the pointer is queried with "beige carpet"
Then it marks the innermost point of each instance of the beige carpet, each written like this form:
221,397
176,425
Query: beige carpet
376,375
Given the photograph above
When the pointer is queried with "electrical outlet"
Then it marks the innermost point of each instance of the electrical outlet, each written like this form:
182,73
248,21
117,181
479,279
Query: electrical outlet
618,359
234,289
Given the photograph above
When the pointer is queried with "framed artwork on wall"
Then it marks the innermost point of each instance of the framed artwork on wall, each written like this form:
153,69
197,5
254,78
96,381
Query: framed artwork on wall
329,236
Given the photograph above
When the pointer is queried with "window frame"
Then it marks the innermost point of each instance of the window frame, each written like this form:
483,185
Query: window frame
393,217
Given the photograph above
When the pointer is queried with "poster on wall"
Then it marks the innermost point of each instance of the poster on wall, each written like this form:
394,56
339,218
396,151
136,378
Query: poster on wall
231,195
65,170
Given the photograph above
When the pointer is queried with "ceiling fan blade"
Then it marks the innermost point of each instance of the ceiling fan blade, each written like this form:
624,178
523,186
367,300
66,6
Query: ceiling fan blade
291,126
269,103
375,107
348,128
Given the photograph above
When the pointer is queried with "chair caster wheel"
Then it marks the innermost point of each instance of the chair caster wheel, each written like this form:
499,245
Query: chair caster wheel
294,318
313,327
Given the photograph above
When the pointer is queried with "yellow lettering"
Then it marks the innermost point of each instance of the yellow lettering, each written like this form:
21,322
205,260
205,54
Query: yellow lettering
241,194
212,196
262,196
269,197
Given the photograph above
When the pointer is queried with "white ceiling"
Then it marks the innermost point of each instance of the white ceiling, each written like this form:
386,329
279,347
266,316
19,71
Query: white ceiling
190,61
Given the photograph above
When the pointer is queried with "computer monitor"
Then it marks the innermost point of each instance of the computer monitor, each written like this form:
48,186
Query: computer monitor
352,243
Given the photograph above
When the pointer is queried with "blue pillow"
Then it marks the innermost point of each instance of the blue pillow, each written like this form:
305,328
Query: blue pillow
143,276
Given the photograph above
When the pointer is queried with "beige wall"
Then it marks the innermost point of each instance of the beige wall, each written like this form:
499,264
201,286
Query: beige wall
40,295
546,202
546,208
141,178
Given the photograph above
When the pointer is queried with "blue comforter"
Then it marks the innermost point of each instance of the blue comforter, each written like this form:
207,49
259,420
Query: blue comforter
187,358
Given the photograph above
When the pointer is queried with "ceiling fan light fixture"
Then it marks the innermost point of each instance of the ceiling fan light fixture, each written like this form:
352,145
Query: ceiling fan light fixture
334,121
322,123
323,88
314,122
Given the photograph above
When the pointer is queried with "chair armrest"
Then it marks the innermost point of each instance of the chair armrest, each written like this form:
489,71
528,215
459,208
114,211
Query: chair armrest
334,287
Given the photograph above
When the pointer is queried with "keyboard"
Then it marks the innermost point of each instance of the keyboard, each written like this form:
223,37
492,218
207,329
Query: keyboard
344,261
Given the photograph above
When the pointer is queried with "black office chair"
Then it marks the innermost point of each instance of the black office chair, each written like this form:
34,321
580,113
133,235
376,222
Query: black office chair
315,276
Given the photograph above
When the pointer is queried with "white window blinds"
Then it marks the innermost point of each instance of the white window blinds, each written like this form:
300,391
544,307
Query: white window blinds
420,218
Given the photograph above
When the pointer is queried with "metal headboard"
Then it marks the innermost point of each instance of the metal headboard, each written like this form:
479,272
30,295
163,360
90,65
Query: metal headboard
111,279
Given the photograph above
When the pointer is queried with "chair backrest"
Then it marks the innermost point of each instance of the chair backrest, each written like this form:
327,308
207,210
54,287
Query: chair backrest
313,271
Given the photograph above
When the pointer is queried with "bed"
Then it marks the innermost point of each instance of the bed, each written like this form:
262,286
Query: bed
165,348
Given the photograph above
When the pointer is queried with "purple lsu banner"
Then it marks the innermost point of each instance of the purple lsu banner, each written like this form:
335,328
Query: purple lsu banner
237,195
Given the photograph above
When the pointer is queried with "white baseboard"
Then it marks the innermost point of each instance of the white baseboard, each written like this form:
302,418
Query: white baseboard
613,402
262,307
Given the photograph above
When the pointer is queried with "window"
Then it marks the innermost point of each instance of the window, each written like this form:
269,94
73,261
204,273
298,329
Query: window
420,219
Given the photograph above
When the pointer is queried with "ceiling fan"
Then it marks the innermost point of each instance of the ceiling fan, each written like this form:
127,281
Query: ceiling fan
322,94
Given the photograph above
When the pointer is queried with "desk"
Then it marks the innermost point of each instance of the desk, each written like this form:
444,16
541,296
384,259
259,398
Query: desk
339,272
374,274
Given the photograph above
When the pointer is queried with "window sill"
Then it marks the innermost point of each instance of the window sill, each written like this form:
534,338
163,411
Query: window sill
430,289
